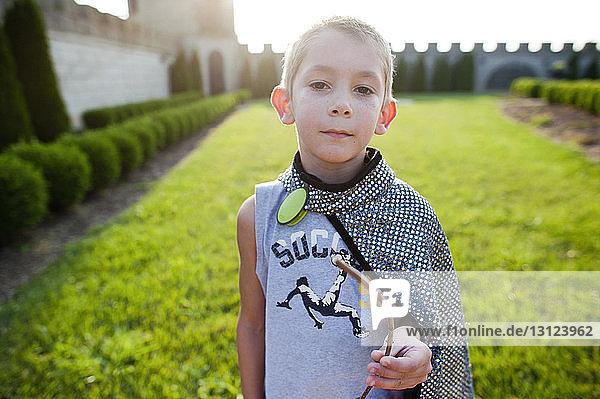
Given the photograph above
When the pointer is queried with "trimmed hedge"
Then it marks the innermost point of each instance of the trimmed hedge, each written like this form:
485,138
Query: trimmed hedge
102,154
79,163
130,150
23,195
65,169
584,94
143,132
101,117
528,87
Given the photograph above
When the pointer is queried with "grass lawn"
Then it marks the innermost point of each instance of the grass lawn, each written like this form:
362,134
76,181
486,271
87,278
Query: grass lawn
146,305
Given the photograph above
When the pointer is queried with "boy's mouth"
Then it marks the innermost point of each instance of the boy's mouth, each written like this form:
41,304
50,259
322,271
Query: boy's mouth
336,133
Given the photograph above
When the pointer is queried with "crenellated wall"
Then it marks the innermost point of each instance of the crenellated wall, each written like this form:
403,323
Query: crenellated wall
495,70
102,60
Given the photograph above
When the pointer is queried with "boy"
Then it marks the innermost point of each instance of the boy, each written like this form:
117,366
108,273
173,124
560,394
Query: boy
299,330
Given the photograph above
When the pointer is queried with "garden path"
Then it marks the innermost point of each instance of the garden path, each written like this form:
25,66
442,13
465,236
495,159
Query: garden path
560,122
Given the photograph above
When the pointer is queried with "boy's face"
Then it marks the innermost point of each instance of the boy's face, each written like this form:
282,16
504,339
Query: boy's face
338,93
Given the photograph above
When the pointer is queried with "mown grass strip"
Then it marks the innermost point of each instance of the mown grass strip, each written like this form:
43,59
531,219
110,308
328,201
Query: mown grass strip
146,305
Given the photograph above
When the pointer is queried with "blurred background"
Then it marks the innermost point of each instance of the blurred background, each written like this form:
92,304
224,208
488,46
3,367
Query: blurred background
131,132
147,48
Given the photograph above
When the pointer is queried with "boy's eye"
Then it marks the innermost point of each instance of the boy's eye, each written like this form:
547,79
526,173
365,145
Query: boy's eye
318,85
364,90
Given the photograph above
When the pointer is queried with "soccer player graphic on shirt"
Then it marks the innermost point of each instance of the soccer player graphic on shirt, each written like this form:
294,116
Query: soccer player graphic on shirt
328,305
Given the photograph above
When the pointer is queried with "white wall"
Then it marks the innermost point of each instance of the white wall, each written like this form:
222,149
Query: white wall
94,72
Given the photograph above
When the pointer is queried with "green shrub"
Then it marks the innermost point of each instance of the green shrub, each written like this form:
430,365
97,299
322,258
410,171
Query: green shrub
102,117
550,91
145,136
528,87
170,124
130,150
583,90
23,196
441,74
26,34
15,124
66,170
97,118
583,93
567,93
102,155
589,97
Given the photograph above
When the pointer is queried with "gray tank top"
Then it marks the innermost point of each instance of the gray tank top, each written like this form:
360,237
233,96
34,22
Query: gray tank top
312,310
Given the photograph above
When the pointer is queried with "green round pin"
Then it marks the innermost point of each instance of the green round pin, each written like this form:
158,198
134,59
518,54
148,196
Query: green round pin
291,210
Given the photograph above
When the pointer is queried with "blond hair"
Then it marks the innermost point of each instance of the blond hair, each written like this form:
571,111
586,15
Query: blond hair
358,29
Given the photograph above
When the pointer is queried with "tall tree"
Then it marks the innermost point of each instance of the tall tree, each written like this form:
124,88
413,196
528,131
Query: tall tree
591,71
180,74
573,66
441,74
26,34
195,72
268,76
245,73
418,80
463,72
400,83
15,124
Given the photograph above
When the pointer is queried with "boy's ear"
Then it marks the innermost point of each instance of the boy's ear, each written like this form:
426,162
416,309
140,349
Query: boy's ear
281,102
388,113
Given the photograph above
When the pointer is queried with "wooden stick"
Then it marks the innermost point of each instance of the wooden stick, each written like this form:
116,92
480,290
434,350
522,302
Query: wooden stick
338,261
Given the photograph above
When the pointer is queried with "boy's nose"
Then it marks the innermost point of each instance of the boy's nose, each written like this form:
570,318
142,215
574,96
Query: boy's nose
340,110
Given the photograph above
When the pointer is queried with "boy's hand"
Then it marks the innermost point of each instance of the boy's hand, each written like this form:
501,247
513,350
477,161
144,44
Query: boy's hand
407,366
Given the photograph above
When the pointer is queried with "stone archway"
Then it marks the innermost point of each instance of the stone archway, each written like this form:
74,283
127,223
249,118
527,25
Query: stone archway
501,77
217,80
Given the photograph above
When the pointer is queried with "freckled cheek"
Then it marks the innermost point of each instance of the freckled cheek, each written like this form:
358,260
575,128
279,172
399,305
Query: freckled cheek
369,111
310,111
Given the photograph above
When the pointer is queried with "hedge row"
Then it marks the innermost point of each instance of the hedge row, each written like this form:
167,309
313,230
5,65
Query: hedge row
101,117
37,177
584,94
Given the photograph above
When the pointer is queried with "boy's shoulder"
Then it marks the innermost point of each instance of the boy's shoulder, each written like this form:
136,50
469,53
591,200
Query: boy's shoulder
408,199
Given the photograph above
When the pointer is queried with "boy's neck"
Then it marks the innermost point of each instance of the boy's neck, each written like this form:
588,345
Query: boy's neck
333,173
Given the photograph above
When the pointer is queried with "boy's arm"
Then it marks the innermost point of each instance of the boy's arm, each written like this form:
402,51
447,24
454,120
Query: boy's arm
250,333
